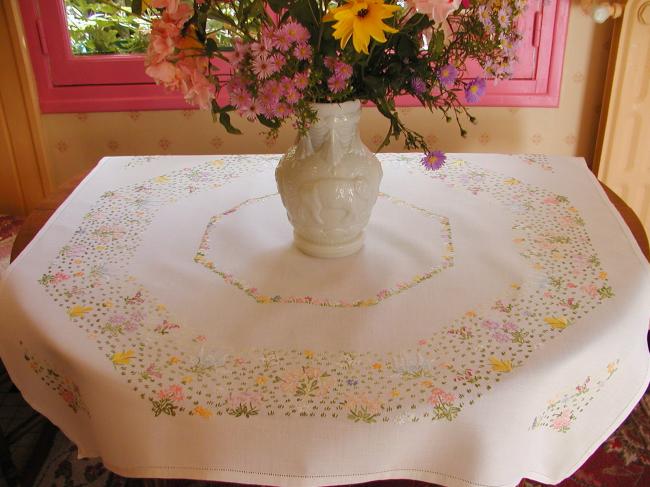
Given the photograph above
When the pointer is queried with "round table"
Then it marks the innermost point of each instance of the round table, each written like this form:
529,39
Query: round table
535,247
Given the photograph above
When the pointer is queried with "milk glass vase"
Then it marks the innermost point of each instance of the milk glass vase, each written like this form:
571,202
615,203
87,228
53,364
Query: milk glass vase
329,183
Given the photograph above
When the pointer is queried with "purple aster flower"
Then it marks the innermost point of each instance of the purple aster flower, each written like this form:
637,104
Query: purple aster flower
475,90
418,85
434,160
448,75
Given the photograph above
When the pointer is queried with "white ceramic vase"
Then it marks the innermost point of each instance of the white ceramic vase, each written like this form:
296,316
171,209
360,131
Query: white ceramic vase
329,183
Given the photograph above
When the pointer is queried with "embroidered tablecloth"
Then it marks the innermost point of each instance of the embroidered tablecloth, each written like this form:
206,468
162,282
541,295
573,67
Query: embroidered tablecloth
493,327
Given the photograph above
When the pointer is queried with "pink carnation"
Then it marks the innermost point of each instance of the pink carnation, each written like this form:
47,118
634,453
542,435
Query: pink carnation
162,41
163,73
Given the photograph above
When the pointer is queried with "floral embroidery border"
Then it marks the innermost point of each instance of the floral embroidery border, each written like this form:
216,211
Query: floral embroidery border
67,389
561,412
254,292
179,371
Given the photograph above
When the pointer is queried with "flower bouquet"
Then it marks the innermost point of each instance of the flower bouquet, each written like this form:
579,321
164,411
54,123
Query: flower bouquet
312,63
289,54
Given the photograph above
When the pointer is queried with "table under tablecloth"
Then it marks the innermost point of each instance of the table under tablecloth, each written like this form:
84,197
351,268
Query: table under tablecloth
493,326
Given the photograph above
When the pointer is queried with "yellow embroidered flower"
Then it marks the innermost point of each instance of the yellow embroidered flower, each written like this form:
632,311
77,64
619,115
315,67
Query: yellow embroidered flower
261,380
161,180
201,411
173,360
376,366
612,367
511,181
471,314
557,323
187,379
499,365
602,276
79,311
122,358
361,20
308,354
394,393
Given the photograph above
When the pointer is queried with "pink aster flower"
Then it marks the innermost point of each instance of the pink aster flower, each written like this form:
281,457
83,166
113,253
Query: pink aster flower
278,61
240,98
261,49
296,32
281,40
301,80
250,111
330,62
434,160
263,67
272,88
283,111
336,84
302,51
292,95
343,70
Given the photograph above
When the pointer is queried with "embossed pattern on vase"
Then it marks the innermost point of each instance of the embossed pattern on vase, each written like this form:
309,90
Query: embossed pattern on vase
329,181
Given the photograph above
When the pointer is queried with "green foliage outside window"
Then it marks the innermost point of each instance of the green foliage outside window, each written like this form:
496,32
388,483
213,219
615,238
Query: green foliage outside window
109,27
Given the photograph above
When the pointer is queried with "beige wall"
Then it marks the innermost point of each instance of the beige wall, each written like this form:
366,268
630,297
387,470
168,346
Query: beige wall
76,141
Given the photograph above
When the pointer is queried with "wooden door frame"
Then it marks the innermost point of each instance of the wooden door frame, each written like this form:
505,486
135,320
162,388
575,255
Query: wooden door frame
24,173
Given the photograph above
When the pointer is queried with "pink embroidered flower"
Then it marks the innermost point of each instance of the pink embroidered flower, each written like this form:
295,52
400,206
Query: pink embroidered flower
440,397
68,396
563,421
173,393
490,325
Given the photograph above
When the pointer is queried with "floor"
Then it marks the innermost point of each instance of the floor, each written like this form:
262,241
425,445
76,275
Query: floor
46,458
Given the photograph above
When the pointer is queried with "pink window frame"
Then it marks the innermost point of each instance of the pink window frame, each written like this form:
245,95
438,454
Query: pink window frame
69,83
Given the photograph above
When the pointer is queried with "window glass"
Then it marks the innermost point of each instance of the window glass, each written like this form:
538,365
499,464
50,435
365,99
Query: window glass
102,27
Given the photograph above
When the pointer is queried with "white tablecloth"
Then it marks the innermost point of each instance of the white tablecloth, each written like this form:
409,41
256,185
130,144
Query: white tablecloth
493,327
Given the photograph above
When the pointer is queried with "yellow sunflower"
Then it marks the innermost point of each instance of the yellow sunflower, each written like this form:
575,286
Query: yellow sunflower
361,20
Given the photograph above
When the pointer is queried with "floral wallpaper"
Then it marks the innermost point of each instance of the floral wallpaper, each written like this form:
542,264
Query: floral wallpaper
75,142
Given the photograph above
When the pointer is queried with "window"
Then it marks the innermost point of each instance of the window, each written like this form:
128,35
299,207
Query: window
77,68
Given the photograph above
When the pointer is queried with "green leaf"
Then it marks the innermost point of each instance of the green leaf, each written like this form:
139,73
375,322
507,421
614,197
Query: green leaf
224,119
136,6
277,5
268,122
